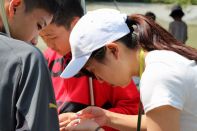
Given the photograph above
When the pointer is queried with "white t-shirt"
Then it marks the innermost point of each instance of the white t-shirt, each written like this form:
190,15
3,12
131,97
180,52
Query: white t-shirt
171,79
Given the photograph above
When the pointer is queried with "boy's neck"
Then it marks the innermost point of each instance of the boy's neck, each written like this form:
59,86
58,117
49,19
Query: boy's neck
178,19
2,29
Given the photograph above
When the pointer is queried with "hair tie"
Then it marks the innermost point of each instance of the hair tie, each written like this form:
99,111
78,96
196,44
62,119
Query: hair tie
130,24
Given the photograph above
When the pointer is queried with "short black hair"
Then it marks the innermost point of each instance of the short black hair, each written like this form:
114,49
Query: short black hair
50,6
67,11
177,11
150,15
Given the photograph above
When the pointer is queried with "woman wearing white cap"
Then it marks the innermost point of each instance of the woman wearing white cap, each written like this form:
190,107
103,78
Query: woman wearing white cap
105,43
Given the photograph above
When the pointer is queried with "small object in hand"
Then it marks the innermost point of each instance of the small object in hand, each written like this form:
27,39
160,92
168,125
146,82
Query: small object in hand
77,122
97,129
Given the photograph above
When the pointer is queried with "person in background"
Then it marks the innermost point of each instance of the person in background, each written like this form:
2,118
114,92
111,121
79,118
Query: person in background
27,99
178,28
80,91
150,15
168,70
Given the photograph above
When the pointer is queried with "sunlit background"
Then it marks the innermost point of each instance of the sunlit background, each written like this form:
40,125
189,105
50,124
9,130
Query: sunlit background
161,8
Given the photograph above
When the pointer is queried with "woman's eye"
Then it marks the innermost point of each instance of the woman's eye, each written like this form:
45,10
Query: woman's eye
39,26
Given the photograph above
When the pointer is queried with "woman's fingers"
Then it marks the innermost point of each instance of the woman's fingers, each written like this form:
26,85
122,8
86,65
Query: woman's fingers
64,123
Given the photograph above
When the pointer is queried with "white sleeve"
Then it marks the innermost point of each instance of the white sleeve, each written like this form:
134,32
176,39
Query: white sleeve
162,84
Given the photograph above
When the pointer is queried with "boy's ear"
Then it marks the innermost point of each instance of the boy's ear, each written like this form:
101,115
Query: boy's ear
114,49
74,21
12,7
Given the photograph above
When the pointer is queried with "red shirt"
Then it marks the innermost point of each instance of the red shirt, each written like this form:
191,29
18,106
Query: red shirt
73,94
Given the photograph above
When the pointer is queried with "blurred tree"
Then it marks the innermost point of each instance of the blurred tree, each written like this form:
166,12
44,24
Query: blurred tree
194,2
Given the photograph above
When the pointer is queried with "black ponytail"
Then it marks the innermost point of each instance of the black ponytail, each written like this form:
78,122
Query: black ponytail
130,40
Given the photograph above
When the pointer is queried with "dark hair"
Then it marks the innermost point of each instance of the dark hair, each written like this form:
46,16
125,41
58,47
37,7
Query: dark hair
150,15
50,6
151,36
177,11
67,11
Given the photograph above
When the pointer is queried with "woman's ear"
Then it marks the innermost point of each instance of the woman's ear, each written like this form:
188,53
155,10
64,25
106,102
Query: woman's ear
114,49
12,7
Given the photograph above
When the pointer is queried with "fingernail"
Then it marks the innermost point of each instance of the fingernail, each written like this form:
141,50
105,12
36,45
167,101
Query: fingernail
78,114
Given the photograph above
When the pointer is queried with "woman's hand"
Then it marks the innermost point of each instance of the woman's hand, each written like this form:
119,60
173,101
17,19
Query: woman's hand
87,119
65,119
97,114
82,125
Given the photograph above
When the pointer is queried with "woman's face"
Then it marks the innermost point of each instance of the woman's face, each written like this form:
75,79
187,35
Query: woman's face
113,69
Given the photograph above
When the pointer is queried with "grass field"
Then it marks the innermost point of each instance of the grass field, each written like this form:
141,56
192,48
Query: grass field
192,41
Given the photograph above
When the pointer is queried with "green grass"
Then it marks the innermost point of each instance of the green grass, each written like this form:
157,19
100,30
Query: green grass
192,34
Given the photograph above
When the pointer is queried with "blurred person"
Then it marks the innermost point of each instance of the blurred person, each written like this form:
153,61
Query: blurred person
168,70
74,94
178,28
150,15
27,99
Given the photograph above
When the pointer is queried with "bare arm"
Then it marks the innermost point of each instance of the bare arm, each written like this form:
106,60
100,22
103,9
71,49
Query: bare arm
111,119
164,118
124,122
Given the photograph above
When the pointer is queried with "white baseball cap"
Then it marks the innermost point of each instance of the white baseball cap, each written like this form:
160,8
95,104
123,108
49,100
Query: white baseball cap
93,31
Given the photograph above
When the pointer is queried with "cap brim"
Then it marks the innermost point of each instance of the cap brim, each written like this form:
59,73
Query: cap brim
75,66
